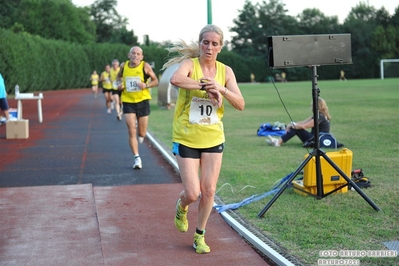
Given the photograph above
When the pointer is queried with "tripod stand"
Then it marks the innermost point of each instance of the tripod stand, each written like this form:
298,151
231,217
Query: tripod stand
317,152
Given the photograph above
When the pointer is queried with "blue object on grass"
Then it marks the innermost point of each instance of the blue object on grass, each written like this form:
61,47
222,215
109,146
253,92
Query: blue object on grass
268,129
253,198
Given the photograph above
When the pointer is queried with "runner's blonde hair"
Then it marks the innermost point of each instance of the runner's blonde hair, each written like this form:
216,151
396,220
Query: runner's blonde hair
190,50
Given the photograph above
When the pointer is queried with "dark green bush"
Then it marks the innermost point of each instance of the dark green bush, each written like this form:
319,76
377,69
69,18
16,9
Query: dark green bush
38,64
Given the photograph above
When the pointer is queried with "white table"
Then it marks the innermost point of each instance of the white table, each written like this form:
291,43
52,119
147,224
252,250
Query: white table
30,96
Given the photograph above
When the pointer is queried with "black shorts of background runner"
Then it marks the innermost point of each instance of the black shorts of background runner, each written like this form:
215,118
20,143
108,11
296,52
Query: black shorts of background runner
140,109
114,92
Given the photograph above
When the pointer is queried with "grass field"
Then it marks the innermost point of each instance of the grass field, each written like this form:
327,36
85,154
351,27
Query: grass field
365,118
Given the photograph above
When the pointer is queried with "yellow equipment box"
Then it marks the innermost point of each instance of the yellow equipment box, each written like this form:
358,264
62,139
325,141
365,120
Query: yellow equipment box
342,158
298,186
331,178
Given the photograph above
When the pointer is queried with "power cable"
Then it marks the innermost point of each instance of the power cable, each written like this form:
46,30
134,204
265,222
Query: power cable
285,108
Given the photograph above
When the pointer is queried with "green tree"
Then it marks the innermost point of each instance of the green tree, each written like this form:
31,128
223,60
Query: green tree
7,11
86,22
252,27
363,22
395,22
124,36
110,26
256,22
313,21
53,19
385,39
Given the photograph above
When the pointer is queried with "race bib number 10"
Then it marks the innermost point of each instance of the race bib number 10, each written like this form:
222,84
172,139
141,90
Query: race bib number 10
132,84
203,112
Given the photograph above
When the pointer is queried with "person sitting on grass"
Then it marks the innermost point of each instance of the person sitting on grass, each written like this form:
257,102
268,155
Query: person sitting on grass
300,128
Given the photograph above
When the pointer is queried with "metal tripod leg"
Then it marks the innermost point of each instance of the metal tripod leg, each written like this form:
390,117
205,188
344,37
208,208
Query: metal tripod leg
350,181
286,184
299,169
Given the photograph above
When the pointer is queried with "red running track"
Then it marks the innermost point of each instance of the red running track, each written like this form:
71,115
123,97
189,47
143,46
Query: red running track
67,198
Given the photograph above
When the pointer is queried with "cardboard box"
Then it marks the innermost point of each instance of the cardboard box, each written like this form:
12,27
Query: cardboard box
17,129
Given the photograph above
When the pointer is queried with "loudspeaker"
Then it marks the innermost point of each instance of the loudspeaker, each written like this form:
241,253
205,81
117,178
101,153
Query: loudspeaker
309,50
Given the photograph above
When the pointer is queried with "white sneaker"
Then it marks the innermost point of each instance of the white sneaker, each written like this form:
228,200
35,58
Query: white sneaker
109,110
112,105
137,163
272,141
141,139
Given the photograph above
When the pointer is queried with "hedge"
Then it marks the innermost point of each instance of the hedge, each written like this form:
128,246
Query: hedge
38,64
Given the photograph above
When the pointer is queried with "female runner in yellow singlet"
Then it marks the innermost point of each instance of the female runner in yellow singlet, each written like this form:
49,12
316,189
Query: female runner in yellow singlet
205,85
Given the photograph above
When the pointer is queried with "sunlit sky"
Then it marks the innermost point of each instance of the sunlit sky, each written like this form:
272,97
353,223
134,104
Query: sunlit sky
172,20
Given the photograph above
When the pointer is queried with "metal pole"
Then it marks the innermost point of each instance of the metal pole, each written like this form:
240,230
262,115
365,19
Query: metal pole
315,95
209,11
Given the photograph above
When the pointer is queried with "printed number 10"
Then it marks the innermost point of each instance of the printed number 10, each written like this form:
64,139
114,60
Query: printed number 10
208,109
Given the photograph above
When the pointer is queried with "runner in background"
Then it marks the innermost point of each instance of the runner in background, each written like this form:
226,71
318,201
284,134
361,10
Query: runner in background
342,76
116,94
138,77
107,87
94,82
